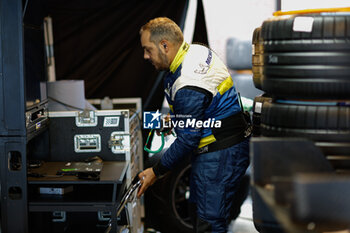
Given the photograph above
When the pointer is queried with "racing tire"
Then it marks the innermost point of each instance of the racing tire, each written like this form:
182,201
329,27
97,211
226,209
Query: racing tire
318,121
179,211
257,59
299,27
313,82
167,208
306,64
257,109
257,76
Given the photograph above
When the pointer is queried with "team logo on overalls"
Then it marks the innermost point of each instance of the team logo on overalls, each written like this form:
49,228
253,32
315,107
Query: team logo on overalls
151,120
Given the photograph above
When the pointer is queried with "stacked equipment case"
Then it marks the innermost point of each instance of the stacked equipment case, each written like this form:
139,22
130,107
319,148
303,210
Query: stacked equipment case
112,135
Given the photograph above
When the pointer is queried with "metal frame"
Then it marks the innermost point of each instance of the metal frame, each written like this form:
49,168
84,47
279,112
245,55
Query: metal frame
13,136
278,5
13,184
12,94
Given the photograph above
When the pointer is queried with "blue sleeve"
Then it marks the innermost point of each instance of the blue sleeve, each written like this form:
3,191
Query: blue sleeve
189,104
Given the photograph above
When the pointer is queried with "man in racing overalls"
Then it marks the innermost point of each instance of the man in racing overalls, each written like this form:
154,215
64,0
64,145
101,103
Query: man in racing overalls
198,87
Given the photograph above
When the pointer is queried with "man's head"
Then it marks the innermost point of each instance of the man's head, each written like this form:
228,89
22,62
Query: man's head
161,38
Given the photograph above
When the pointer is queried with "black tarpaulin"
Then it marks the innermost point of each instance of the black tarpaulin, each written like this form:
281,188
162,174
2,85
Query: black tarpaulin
99,42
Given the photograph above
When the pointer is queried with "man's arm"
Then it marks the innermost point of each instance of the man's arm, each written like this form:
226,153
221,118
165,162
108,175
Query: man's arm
190,103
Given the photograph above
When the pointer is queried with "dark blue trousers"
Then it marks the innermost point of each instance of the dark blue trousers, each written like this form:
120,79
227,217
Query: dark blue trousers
214,180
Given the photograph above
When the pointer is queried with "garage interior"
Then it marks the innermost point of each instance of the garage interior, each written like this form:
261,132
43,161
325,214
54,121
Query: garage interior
74,87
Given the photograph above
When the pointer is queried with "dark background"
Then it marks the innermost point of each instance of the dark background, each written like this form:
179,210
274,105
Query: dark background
98,41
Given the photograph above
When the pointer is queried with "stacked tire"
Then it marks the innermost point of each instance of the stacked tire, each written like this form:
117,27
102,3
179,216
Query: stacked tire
303,56
302,63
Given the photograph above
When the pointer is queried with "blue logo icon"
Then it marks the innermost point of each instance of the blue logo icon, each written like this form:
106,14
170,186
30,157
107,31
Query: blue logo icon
151,120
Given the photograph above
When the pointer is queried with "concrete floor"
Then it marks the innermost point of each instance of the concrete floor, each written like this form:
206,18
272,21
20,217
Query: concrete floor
244,223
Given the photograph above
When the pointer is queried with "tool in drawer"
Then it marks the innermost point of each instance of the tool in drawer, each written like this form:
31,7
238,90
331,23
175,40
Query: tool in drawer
128,194
127,198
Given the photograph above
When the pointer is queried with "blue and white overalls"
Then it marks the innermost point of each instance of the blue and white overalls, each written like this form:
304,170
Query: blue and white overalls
199,87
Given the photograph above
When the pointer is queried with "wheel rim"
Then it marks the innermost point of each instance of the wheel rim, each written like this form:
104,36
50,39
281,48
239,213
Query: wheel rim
180,196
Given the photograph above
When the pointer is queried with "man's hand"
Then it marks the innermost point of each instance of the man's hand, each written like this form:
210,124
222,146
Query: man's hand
147,178
166,133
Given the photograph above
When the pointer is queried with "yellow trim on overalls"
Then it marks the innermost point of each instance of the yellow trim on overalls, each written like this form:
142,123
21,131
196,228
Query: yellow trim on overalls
180,56
222,88
206,141
225,85
171,108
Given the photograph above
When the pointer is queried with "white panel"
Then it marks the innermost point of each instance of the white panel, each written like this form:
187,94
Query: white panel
238,19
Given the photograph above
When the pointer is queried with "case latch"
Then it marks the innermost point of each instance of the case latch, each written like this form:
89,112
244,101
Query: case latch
86,119
119,142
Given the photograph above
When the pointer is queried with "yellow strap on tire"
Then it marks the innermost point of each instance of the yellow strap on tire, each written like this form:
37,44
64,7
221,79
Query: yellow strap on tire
311,11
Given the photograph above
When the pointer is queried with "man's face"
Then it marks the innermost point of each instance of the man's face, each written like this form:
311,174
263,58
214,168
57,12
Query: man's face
152,52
